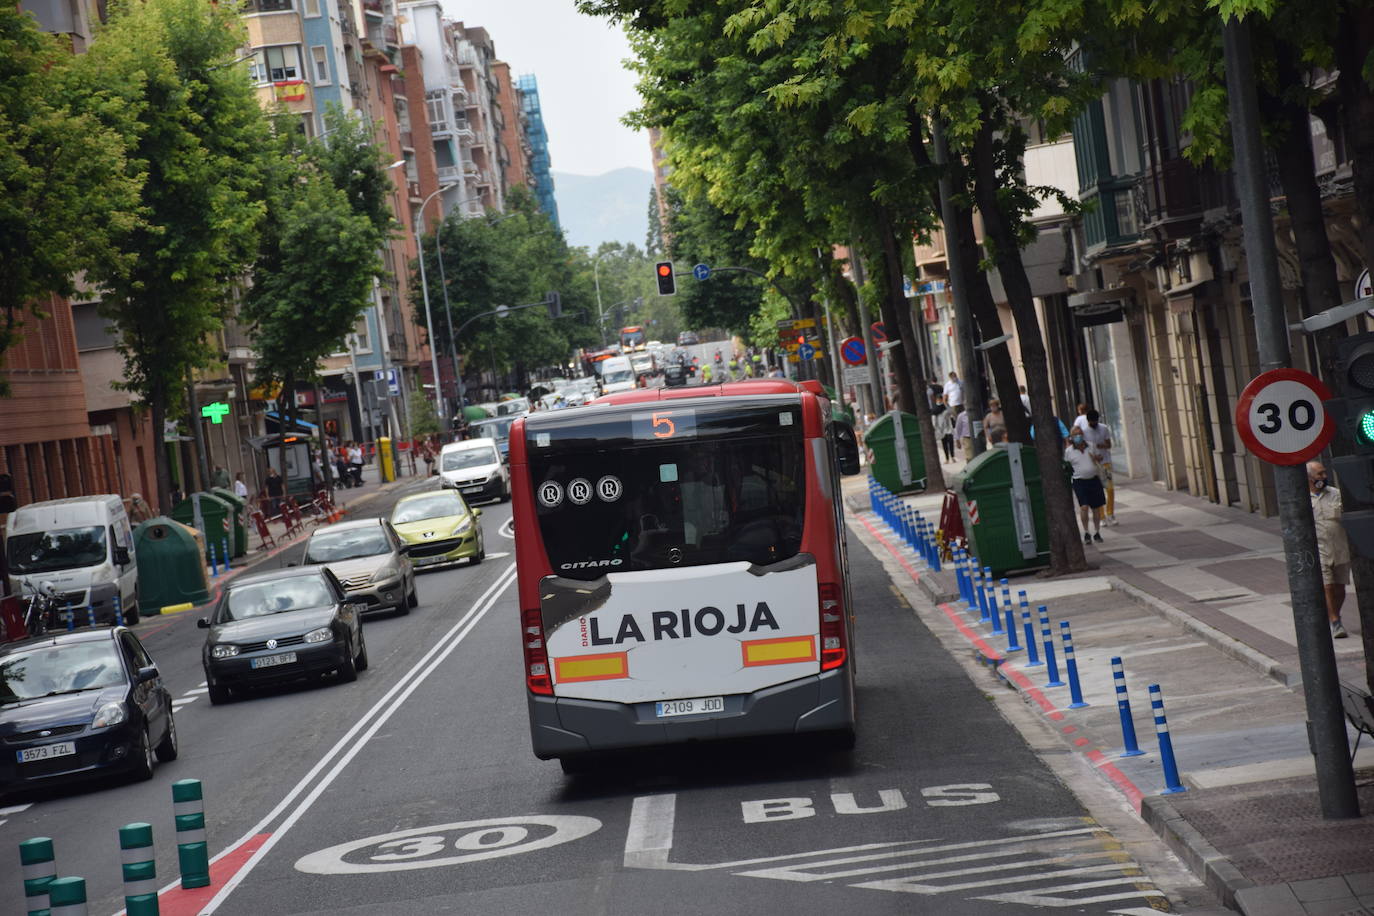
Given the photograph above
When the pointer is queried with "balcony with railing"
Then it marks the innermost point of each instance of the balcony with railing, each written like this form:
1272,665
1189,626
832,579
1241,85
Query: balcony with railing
448,173
374,7
470,168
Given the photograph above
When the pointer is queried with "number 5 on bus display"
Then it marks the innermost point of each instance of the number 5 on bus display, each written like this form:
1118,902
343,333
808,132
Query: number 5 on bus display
704,595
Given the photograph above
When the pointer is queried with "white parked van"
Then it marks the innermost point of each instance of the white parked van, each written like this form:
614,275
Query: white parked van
84,546
616,374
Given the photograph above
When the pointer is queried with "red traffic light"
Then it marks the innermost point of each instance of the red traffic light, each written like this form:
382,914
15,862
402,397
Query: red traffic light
665,269
667,282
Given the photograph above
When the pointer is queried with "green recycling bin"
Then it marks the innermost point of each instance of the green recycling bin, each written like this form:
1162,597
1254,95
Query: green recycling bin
1004,521
209,515
238,520
901,470
171,571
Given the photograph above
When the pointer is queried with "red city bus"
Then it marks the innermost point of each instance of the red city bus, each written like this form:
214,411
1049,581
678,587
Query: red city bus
682,570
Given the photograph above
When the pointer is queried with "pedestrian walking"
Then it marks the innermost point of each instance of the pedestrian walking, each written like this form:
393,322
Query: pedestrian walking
963,433
220,478
240,488
1333,549
1099,440
427,453
994,423
1087,485
276,489
355,463
954,391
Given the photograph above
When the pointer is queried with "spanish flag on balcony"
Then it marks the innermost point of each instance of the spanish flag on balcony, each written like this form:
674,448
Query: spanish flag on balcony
289,90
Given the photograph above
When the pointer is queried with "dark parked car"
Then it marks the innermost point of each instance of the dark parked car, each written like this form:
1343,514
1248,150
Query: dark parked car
687,339
81,704
674,376
279,626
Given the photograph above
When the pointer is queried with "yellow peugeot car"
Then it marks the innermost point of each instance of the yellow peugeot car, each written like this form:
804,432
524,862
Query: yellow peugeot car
440,528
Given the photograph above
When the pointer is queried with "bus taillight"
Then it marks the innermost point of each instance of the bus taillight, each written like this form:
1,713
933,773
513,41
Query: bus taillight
833,649
536,656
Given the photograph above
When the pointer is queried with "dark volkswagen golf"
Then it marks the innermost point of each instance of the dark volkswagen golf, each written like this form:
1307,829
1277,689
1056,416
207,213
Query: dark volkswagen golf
81,704
280,626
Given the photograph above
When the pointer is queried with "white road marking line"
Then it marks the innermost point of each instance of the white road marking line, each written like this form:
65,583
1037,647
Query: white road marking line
1041,897
380,713
203,684
507,529
197,692
15,809
497,556
912,884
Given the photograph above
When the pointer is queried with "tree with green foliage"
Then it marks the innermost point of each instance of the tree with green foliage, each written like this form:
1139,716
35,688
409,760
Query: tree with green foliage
66,186
424,419
164,75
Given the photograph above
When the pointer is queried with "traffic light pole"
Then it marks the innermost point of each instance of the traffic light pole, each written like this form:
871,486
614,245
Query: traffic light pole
1316,655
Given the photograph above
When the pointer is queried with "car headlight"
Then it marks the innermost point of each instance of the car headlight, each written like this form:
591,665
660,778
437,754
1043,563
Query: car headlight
224,650
109,714
323,634
385,573
464,526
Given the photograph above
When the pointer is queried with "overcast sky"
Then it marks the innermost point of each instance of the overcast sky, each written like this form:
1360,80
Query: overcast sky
583,88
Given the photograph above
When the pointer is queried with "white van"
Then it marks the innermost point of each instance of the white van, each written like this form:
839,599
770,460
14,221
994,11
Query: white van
617,374
474,468
84,546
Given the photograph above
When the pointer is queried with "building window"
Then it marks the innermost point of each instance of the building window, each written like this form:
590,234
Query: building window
270,6
320,56
312,8
275,65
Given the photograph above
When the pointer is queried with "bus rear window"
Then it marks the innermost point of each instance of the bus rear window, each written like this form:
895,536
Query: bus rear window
633,503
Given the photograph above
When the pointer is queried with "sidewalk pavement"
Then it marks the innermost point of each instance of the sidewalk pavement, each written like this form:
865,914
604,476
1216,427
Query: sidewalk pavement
1192,597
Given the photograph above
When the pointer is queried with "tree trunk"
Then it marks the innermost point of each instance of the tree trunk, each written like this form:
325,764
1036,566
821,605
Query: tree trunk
285,420
981,303
909,357
891,312
157,410
325,464
1354,40
1066,551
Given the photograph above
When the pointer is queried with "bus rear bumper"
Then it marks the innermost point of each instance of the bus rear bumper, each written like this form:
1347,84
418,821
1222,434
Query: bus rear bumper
563,726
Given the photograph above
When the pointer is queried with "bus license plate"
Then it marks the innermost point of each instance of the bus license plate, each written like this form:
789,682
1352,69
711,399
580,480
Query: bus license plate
693,707
271,661
47,752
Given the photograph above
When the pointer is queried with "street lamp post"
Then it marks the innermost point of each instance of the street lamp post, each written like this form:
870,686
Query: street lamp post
429,317
596,278
448,310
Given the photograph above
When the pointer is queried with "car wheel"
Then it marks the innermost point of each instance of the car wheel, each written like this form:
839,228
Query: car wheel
348,671
413,599
481,553
362,661
143,757
167,749
219,695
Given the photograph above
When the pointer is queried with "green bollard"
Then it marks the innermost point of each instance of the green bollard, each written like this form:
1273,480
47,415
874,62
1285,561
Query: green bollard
139,865
39,868
68,897
193,854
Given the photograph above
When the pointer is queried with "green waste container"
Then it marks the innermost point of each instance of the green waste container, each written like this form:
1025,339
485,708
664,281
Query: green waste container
886,463
238,520
998,525
171,573
209,515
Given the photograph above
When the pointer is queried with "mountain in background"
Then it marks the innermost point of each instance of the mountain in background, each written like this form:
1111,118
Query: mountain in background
604,208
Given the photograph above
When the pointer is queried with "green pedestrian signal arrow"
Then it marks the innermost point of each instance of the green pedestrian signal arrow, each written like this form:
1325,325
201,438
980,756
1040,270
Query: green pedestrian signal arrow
216,412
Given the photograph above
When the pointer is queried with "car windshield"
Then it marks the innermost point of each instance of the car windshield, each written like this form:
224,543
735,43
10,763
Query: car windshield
499,429
620,375
49,551
515,406
434,505
47,670
458,459
335,546
259,599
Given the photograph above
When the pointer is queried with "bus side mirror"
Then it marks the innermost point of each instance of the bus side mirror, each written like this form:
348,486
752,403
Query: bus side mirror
846,447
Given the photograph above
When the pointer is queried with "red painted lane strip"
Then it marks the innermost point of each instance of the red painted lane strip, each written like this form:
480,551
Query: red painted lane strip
1096,757
181,902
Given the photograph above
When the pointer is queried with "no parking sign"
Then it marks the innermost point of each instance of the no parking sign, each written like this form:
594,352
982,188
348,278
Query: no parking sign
1280,417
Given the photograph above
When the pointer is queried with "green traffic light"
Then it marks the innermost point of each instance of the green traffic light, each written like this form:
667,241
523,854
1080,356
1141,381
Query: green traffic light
1366,427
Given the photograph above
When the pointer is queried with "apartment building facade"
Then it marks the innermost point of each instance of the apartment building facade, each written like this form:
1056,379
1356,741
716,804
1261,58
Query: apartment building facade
541,166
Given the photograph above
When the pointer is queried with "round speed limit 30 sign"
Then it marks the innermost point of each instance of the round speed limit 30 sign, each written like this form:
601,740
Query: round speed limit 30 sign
1281,419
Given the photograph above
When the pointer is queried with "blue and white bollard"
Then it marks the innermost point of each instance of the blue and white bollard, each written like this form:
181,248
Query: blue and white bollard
1032,653
139,867
994,612
71,617
1075,689
90,615
934,534
977,599
1012,644
1166,744
1047,640
188,811
1123,706
225,544
214,562
118,611
39,868
959,575
67,897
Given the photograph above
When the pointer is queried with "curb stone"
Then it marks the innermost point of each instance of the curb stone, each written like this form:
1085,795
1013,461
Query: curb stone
1216,871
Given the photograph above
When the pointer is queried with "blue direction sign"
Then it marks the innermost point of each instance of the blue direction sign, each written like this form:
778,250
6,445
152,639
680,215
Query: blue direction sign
852,351
806,351
701,272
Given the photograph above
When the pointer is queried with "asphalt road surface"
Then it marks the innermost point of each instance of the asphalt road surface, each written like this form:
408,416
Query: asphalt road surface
414,791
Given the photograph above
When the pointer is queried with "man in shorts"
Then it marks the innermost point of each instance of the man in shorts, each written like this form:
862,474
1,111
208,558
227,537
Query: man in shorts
1333,550
1087,484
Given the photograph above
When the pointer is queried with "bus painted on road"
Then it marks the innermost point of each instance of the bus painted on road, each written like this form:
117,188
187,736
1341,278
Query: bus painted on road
682,568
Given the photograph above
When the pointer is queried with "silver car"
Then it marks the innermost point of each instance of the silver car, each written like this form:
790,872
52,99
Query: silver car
370,560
